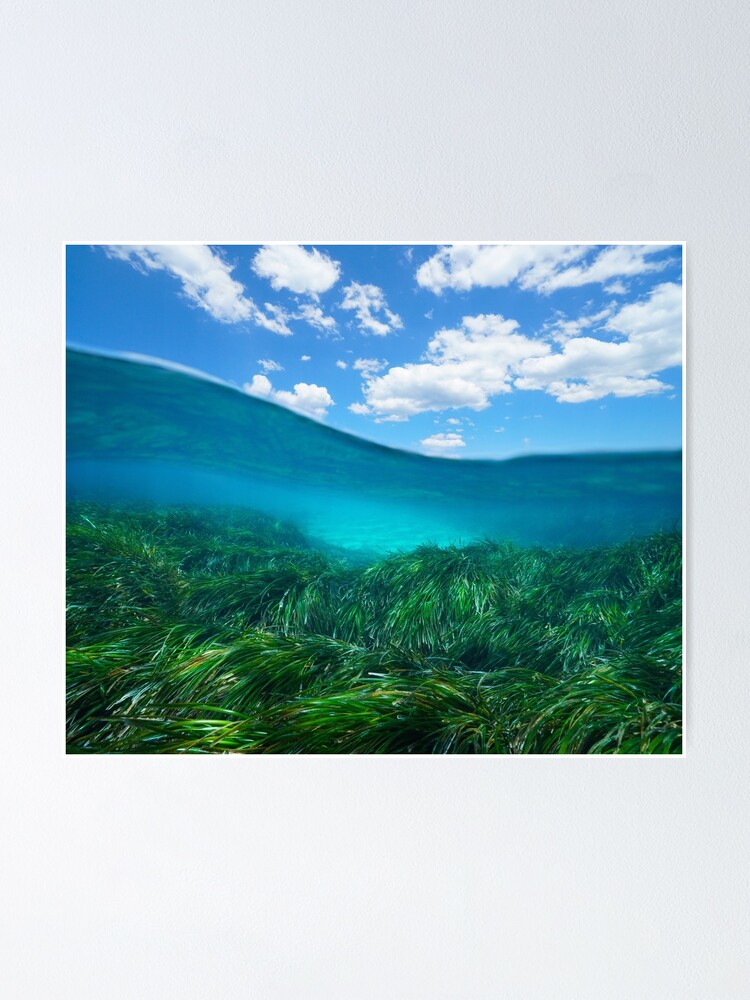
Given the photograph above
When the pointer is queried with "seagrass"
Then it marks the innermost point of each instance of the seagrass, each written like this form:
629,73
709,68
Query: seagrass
209,630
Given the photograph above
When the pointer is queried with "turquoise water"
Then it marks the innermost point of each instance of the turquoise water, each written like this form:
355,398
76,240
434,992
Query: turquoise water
144,432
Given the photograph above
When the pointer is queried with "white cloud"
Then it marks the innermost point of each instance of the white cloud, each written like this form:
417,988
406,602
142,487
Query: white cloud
563,329
463,367
310,399
206,280
270,366
589,368
465,266
276,322
342,364
260,386
499,430
361,409
206,277
611,262
307,272
443,442
487,356
366,301
369,366
615,288
597,386
538,267
315,317
305,357
453,420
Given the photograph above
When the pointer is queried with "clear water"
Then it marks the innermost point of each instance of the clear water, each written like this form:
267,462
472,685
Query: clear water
144,432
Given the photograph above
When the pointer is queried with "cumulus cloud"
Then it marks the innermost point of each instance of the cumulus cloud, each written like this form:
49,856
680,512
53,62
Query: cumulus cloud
487,356
269,365
310,399
260,386
306,272
572,391
464,266
276,322
205,276
533,266
206,280
342,364
361,409
589,368
369,366
614,261
462,367
316,318
562,329
305,357
366,301
443,442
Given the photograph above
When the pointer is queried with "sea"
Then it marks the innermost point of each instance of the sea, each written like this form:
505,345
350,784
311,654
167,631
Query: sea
140,431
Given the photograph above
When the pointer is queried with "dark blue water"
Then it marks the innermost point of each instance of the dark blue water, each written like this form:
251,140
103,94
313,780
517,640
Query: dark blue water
141,431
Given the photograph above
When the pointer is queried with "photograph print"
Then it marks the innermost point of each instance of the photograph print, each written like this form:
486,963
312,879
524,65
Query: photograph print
374,498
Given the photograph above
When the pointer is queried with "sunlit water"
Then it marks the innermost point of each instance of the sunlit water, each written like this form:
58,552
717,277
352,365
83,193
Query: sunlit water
143,432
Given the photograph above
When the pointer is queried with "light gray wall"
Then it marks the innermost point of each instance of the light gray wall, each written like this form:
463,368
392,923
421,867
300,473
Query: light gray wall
350,879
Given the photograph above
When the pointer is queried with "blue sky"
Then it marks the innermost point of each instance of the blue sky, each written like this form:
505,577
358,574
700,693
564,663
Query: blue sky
464,350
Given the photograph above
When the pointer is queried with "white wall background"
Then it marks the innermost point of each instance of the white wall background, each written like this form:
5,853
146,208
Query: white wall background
353,878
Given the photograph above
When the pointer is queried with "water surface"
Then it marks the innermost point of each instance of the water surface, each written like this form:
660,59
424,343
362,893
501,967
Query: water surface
146,432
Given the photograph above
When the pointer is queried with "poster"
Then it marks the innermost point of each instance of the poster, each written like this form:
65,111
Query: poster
374,498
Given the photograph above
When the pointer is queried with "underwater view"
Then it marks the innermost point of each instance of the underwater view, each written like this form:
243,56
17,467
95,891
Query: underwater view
243,577
310,592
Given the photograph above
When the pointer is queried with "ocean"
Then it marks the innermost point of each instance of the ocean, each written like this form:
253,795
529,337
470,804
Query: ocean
145,432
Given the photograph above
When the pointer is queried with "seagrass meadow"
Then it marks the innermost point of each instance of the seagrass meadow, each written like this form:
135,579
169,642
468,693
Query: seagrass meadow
225,631
243,580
